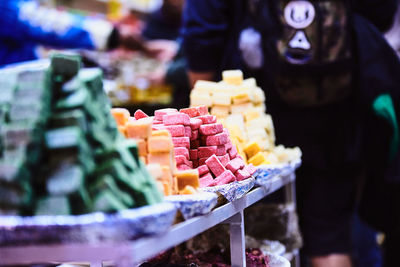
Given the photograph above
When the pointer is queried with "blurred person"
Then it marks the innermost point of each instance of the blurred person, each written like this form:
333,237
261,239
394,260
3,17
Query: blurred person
162,34
331,79
24,25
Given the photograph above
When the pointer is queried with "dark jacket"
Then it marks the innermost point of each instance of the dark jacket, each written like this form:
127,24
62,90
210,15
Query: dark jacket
351,131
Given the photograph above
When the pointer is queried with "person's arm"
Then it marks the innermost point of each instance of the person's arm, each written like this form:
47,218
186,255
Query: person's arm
25,21
205,28
380,12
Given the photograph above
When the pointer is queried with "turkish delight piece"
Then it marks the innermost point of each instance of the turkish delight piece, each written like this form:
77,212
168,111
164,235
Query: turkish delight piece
181,142
250,169
202,161
182,151
235,165
207,119
203,169
195,123
121,115
221,150
188,131
139,114
224,159
211,129
224,178
242,175
139,129
176,119
215,165
232,152
187,177
206,151
158,114
195,135
206,180
157,144
182,160
217,140
195,111
176,130
183,167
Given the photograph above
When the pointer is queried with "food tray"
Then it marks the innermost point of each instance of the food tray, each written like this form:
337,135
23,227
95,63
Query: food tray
89,228
232,191
194,205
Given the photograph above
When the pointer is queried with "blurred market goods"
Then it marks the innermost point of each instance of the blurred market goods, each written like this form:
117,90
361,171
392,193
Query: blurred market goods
139,80
240,106
61,150
202,154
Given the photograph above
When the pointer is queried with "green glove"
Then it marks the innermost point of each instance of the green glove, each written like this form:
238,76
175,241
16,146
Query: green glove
383,107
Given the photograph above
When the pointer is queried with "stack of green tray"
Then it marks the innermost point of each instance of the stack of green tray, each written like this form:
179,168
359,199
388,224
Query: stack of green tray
61,152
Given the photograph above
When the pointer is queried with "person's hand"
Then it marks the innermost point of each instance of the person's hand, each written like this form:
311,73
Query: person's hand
163,50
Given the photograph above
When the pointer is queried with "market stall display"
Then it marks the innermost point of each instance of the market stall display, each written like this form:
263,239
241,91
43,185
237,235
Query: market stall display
62,152
239,106
203,153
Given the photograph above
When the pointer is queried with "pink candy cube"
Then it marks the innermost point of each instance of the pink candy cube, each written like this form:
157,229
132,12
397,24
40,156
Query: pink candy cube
250,169
207,119
188,131
221,150
203,169
235,165
211,129
176,119
225,177
215,165
217,140
181,151
229,144
206,180
195,111
176,130
206,151
195,135
202,161
157,121
242,175
193,154
224,159
158,127
180,159
139,114
195,123
181,142
158,114
232,152
183,167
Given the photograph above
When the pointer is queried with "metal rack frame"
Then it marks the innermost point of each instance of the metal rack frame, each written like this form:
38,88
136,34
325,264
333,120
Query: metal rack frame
135,252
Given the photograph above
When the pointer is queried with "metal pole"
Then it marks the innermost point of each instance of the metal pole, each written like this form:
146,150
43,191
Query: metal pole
237,238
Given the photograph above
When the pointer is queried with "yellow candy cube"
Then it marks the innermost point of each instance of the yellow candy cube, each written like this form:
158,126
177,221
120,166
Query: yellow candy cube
251,115
257,159
220,111
252,149
187,177
241,97
234,77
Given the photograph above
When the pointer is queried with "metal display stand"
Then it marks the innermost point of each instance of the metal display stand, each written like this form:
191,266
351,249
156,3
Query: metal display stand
135,252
